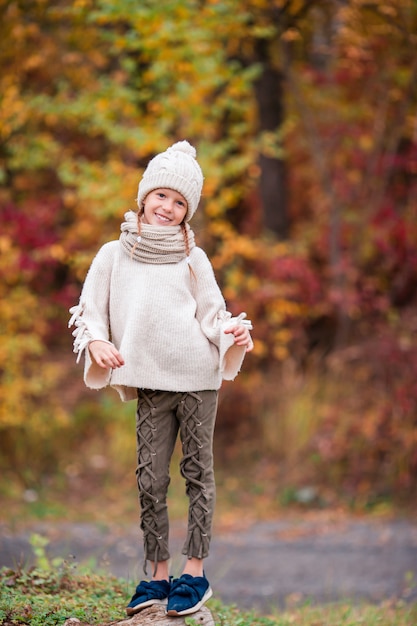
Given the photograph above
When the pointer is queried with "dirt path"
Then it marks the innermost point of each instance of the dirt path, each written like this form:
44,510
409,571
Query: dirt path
257,565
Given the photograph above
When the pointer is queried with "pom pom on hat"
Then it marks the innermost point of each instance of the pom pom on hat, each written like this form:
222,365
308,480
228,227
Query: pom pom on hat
177,169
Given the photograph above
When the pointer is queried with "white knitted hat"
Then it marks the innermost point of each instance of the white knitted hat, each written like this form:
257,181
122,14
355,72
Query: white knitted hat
177,169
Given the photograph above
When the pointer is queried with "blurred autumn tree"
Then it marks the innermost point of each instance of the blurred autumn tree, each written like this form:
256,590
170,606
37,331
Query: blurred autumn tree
303,114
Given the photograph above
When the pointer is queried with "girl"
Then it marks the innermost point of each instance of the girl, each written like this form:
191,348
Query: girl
152,323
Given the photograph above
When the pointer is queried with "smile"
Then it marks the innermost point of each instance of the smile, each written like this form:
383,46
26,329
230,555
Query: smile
163,218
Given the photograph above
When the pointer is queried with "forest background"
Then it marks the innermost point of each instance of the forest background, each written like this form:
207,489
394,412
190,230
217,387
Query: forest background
304,118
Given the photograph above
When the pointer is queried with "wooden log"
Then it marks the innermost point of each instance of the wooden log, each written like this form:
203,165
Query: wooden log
155,616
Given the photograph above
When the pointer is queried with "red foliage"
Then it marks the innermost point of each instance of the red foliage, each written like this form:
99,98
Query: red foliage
33,230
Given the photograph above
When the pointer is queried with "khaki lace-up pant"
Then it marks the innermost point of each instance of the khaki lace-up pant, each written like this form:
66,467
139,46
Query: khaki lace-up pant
160,415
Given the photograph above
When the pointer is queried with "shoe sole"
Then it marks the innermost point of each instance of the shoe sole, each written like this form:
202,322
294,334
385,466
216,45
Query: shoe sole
135,609
193,609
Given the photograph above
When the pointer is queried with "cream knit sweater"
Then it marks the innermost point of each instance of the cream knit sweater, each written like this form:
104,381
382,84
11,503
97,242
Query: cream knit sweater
167,325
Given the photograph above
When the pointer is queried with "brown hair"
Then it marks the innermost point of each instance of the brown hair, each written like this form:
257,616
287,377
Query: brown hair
140,213
187,248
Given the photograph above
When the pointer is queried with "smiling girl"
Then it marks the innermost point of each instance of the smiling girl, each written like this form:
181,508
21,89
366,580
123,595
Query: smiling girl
152,323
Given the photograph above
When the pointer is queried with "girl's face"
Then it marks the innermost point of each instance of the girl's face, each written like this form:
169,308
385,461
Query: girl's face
164,207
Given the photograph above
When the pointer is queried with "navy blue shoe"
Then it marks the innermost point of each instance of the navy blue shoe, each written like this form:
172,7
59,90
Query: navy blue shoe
188,594
148,593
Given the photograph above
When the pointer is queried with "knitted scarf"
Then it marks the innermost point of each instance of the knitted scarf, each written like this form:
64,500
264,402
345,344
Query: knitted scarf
156,244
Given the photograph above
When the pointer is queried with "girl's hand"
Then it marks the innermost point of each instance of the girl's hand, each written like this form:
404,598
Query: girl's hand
242,336
105,354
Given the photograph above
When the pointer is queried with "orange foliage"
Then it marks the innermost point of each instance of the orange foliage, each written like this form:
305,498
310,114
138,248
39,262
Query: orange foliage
90,91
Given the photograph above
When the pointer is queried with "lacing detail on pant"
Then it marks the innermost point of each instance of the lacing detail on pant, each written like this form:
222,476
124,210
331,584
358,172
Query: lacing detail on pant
159,416
194,470
146,478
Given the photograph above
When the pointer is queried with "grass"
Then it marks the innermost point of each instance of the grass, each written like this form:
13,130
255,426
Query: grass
53,591
47,597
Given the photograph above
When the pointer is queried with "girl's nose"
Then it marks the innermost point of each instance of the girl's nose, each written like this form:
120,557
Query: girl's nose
168,205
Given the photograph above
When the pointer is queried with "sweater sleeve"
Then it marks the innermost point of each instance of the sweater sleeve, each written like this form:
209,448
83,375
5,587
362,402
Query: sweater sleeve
214,318
91,316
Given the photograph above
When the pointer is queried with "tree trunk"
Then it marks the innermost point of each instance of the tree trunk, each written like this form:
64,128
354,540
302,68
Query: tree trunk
273,180
155,616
